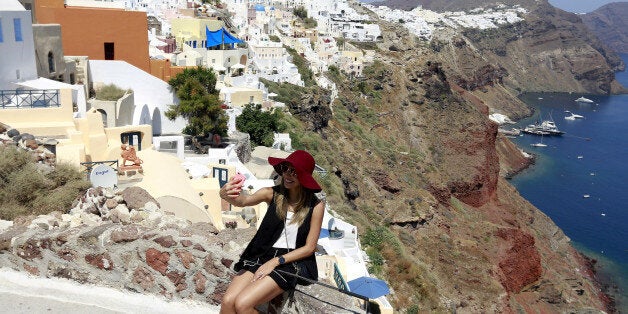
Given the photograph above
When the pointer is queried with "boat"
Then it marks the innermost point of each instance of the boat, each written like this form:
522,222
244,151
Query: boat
586,100
547,127
586,196
572,116
539,144
511,132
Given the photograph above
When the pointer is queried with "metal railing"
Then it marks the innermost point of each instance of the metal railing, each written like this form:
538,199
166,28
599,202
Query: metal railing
90,165
10,99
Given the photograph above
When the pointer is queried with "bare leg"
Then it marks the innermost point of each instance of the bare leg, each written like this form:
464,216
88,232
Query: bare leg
239,282
255,293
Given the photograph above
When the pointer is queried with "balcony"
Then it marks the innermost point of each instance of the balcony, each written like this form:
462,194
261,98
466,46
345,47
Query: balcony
12,99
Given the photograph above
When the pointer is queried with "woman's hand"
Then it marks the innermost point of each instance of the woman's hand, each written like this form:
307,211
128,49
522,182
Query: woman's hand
265,269
231,189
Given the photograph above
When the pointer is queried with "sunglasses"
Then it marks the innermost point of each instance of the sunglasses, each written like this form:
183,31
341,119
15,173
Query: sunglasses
287,169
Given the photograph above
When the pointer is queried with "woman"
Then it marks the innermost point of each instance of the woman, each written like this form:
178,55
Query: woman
288,233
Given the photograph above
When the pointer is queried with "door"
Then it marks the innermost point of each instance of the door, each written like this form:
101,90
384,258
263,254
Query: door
109,51
132,138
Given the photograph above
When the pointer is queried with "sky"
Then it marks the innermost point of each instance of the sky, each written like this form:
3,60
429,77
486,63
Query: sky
580,6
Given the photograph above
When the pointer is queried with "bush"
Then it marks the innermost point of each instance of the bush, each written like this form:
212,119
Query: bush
110,92
261,125
25,189
300,12
11,160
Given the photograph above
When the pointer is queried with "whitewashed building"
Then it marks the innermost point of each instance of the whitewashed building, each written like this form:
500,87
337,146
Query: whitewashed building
152,96
17,46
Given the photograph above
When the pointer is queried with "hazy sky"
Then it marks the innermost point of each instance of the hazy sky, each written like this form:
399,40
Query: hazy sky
580,6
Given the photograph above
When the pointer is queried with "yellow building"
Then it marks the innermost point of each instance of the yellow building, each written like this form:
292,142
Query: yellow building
237,97
352,63
80,139
192,30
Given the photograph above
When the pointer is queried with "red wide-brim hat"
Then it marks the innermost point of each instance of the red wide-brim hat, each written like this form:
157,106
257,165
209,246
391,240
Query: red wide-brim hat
303,163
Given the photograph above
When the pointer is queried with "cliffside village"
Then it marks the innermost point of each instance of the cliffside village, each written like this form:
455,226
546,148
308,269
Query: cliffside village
55,51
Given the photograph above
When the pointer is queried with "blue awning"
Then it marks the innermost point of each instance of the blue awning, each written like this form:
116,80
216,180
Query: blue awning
219,37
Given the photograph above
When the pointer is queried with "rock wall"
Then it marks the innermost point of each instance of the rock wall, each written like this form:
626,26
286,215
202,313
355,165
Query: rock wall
121,239
150,252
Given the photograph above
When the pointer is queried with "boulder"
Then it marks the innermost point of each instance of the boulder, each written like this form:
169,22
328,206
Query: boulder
13,133
136,197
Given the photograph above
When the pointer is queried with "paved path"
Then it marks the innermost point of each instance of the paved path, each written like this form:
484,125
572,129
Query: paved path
22,293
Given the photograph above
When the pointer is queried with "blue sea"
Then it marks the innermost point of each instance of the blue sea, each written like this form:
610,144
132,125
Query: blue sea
580,179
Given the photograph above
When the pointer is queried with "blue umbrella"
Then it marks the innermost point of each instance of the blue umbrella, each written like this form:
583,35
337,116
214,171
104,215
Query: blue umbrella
324,233
369,287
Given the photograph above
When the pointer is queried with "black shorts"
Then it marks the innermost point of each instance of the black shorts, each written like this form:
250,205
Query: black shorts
283,280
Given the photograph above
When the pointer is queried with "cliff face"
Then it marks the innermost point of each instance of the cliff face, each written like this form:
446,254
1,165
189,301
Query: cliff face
610,25
474,243
415,152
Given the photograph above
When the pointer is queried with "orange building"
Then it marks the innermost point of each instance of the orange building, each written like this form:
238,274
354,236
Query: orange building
100,34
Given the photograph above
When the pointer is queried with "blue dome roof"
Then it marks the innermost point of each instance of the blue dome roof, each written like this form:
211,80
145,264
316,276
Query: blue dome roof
259,7
272,8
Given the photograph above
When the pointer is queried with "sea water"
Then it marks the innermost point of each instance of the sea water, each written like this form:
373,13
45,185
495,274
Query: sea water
580,179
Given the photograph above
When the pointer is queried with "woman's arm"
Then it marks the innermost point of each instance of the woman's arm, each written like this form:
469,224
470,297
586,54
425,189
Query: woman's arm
231,192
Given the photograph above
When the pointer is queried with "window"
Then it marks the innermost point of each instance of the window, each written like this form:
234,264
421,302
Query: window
51,62
1,30
251,99
17,27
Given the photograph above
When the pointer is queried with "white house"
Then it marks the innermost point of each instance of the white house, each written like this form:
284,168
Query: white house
152,96
17,47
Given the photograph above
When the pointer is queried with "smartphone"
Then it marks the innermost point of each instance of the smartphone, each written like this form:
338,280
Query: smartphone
239,178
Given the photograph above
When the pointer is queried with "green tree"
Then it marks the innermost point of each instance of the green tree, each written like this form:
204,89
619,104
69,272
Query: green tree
261,125
300,12
199,102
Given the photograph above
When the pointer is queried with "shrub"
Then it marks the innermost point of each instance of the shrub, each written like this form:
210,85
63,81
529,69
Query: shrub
261,125
26,189
110,92
11,160
300,12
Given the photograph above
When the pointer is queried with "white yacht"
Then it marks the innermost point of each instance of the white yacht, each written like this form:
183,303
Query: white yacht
583,99
572,116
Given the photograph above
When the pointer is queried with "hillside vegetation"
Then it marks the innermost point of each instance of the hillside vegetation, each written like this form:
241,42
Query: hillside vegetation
29,188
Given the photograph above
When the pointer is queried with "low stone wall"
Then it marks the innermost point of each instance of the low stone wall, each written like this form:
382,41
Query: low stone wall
159,254
124,240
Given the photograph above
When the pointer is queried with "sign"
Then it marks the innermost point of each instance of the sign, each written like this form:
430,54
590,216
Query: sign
104,176
340,282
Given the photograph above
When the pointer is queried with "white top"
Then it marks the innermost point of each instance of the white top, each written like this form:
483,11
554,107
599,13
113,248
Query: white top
288,238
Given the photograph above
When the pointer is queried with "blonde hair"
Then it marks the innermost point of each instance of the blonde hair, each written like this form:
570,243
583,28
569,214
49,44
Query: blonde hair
301,208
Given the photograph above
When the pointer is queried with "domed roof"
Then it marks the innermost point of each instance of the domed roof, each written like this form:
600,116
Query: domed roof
259,7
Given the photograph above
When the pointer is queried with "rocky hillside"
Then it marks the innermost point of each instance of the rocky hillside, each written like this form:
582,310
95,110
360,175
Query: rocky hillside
419,158
610,24
419,165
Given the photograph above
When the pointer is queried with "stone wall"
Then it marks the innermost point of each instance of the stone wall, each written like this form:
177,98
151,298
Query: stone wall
124,240
146,251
